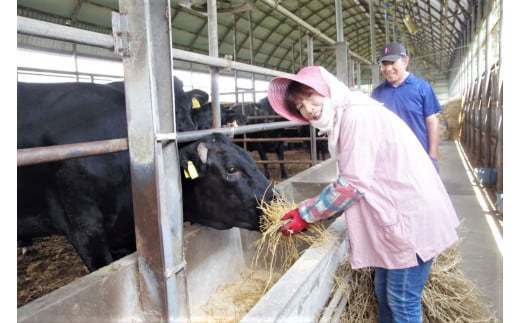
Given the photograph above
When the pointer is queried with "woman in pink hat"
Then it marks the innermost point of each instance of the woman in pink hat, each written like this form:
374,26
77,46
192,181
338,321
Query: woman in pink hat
398,213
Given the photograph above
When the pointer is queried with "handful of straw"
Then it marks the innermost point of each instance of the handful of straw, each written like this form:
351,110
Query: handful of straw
276,251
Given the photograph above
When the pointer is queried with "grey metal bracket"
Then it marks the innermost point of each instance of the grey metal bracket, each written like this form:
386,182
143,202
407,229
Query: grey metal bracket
120,34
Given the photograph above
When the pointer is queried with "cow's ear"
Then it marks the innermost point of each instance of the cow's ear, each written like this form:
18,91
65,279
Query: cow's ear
202,151
195,104
187,154
191,171
190,164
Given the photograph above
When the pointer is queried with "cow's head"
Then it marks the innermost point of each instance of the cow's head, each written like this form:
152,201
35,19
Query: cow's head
182,107
225,184
198,97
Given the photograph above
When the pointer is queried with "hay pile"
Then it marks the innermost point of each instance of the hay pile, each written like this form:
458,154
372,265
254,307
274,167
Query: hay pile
358,286
233,301
450,119
447,297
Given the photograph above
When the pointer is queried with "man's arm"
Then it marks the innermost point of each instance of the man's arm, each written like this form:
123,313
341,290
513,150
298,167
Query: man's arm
432,125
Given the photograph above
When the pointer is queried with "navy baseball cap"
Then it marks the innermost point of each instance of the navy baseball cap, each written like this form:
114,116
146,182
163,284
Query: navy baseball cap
392,52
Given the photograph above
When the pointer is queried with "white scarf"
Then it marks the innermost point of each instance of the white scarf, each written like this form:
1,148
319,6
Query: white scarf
338,102
326,120
341,98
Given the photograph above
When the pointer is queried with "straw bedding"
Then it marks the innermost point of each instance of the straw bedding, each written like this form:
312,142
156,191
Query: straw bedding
447,297
233,301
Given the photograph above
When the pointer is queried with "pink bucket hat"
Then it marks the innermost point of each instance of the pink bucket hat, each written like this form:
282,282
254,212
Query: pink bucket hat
310,76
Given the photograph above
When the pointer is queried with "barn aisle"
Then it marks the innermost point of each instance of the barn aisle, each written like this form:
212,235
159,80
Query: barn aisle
481,229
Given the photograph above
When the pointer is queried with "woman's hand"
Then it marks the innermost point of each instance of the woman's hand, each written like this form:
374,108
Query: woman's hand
296,225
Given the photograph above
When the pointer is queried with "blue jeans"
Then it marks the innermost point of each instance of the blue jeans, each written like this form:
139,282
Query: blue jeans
399,292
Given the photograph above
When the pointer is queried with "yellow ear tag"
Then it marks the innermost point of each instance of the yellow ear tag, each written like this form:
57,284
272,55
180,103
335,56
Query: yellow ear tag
192,170
195,104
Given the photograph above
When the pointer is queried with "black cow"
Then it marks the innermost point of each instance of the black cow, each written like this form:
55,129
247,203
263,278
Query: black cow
262,112
202,116
89,199
322,146
200,113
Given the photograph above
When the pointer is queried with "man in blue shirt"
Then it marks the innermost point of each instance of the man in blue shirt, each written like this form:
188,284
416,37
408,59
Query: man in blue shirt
410,97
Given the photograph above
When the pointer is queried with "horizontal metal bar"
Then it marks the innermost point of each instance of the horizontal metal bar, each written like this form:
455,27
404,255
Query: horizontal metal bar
286,139
48,72
38,155
287,161
196,134
55,31
274,117
188,56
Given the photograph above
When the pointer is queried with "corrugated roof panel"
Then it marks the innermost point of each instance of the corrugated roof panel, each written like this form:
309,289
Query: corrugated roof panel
95,15
62,8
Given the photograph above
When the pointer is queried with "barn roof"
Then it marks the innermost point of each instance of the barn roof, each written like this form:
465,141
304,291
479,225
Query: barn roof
432,30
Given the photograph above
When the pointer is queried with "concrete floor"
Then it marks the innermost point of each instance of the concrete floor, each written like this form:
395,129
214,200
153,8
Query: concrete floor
481,229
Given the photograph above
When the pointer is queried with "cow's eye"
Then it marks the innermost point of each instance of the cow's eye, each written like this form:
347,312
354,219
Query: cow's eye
233,173
232,170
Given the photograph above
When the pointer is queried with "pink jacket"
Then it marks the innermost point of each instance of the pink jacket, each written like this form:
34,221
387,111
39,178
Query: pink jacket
404,208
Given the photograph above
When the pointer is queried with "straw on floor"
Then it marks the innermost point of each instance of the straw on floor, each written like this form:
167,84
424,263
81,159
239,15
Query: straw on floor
449,296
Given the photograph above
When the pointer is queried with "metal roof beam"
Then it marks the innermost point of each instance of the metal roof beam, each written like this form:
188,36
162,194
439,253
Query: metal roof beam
35,27
305,25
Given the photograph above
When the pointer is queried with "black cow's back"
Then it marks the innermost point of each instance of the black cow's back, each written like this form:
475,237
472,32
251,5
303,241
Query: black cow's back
63,113
85,199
